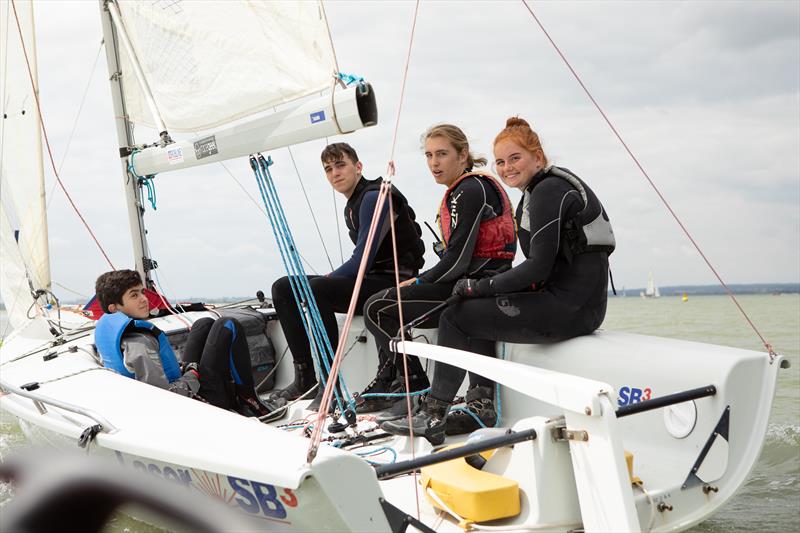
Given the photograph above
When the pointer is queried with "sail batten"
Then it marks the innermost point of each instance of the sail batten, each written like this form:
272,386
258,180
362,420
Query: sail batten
210,63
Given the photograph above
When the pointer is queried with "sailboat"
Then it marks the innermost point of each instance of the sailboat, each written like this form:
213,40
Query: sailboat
651,291
628,444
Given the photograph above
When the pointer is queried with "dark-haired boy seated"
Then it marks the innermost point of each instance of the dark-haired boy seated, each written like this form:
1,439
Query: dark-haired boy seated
216,360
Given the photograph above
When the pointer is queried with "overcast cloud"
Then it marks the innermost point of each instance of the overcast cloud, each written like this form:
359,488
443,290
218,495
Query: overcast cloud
707,94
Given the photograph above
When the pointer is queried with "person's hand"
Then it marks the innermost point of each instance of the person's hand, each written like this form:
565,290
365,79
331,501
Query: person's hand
466,288
191,367
408,282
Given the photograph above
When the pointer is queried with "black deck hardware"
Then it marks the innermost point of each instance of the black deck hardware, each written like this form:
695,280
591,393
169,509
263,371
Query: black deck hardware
721,431
32,386
669,399
512,437
399,521
49,356
89,434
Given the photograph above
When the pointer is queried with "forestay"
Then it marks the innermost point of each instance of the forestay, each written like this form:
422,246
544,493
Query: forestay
246,56
23,243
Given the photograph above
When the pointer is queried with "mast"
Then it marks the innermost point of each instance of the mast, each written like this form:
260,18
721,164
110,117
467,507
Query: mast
144,264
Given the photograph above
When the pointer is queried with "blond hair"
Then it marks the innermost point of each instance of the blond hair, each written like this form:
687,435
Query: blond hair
457,138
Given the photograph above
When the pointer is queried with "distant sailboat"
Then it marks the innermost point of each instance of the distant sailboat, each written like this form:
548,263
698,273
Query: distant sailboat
651,291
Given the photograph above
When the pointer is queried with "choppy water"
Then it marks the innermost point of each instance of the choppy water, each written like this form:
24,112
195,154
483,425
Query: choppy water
770,501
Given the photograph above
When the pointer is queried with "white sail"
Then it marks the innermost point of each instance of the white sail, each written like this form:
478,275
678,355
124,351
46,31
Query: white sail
208,63
24,258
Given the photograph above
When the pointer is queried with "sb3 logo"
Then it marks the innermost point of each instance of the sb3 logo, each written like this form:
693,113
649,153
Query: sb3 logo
629,395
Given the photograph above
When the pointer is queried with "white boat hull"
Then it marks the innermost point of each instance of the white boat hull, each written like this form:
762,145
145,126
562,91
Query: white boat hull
261,470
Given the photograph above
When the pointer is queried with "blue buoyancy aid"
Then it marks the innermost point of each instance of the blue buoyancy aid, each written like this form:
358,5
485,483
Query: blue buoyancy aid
108,338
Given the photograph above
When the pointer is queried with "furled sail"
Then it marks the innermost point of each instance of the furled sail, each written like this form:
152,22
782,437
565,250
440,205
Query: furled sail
208,63
24,258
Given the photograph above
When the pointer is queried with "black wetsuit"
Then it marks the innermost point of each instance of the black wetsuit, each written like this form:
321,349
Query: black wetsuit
471,202
546,298
333,292
220,349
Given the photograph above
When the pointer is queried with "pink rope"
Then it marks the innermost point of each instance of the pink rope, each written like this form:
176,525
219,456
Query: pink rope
391,167
766,344
316,435
403,340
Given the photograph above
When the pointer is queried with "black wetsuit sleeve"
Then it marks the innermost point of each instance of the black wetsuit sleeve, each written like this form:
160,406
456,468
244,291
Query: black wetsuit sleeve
349,268
467,203
551,203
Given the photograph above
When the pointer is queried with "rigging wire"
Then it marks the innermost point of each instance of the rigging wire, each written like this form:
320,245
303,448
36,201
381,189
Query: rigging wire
47,141
75,122
766,344
308,203
336,218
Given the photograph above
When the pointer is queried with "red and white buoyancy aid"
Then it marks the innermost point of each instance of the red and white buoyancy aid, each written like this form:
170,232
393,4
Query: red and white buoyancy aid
497,237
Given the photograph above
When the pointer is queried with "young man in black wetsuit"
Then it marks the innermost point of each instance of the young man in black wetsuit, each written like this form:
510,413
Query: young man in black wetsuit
477,226
333,292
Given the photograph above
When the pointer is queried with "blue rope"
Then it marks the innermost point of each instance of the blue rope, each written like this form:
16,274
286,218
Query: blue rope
147,181
497,400
349,79
286,247
470,413
319,334
301,289
395,394
376,451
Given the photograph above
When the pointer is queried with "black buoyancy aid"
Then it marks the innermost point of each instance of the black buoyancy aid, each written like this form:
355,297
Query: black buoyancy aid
587,231
410,248
497,236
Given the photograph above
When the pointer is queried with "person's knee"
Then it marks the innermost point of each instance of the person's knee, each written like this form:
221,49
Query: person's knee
202,323
225,329
282,288
377,302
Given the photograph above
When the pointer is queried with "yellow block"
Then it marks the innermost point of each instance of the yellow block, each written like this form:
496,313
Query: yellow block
629,461
473,494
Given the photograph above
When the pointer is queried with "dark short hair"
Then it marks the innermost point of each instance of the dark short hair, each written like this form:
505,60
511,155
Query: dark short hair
337,151
110,286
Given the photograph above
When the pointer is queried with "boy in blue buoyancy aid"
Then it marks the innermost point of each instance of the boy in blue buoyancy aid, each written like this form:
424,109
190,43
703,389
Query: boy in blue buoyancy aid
216,360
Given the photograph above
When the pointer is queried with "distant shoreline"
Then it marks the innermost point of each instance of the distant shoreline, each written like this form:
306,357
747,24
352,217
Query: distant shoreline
672,290
711,290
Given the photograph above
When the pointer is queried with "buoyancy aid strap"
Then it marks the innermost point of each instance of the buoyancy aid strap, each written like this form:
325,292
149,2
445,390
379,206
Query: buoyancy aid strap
229,325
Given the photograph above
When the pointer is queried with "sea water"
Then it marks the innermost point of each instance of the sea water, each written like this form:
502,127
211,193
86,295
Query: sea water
770,500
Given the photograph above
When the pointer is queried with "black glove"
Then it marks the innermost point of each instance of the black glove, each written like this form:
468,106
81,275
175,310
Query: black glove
466,288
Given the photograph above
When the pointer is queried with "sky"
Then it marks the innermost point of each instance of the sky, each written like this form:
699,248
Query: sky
706,94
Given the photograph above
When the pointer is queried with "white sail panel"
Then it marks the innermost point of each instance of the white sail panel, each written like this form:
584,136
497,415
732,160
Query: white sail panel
14,288
208,63
24,226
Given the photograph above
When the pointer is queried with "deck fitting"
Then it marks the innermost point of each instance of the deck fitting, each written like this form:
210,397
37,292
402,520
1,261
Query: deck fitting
563,433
